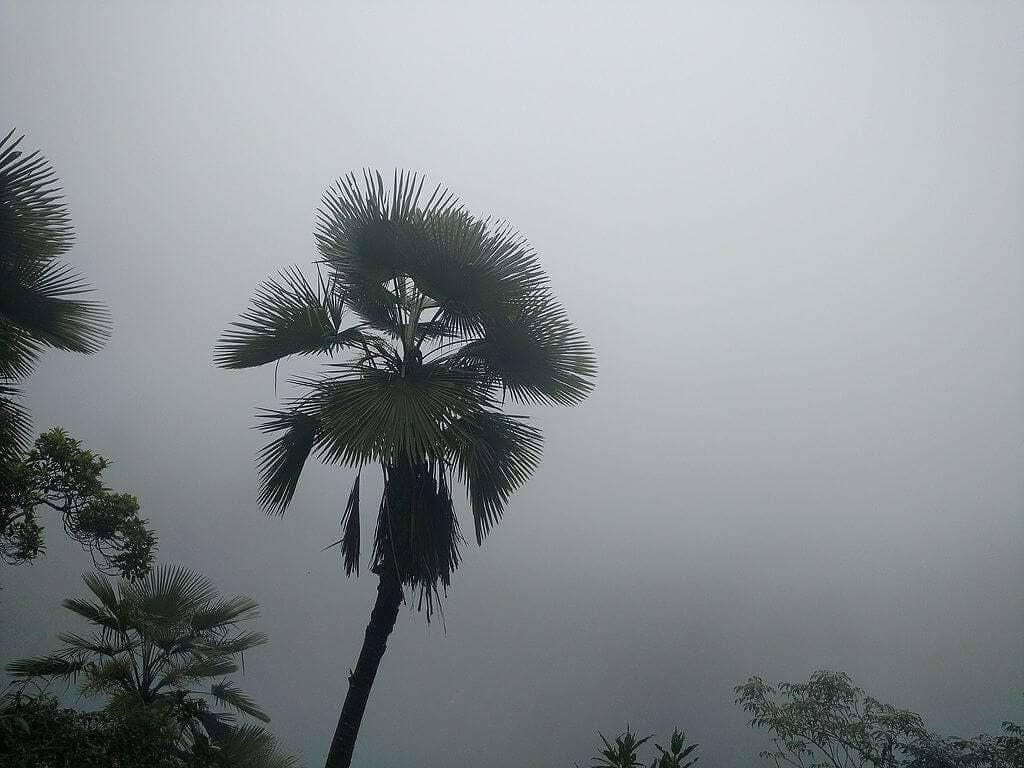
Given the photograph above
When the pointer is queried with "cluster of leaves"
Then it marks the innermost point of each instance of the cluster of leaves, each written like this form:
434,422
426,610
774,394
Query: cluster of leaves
827,722
158,642
450,316
58,474
41,302
37,732
983,751
624,752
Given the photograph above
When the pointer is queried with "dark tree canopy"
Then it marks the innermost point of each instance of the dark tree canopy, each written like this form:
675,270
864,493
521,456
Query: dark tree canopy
57,474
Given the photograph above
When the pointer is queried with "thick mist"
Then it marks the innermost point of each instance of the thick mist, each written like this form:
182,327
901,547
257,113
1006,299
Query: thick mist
794,234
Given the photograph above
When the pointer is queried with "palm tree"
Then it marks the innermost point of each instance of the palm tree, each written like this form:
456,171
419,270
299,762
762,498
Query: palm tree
41,302
453,317
158,642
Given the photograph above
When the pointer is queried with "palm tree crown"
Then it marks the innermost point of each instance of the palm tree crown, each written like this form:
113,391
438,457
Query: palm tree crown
41,302
452,316
159,642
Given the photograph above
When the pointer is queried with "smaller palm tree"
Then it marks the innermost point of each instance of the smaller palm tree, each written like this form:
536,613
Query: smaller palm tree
166,641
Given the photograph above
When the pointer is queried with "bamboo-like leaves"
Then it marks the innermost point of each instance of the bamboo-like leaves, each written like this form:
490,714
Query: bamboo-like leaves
493,454
288,316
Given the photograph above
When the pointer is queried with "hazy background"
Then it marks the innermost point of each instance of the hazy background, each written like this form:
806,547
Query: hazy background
794,235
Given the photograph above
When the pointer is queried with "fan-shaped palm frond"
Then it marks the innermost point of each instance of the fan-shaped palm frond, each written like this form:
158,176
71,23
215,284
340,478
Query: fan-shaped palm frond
288,316
42,302
493,455
34,222
535,354
250,746
168,594
223,613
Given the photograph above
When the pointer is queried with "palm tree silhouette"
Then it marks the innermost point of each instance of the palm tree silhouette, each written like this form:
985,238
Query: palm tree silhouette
453,317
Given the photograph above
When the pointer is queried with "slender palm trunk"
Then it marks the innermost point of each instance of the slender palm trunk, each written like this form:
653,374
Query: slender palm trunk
382,621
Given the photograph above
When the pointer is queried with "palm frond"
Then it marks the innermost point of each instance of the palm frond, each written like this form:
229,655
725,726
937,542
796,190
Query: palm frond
45,666
96,614
230,694
493,454
288,316
15,427
196,668
44,302
100,586
109,676
368,414
99,645
230,646
250,746
536,355
224,613
281,461
34,221
169,592
349,540
471,270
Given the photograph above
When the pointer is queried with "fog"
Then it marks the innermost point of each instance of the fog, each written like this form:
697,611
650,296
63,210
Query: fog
793,233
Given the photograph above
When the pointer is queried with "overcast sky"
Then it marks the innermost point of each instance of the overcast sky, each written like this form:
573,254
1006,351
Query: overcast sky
793,232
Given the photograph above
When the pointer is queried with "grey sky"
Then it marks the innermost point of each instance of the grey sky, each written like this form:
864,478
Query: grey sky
794,234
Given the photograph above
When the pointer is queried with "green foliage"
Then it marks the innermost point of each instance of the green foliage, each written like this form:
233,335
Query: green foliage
164,642
827,722
624,752
40,733
41,302
58,474
37,732
440,317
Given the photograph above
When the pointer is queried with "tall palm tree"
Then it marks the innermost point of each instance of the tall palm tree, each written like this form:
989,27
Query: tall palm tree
158,642
41,302
453,316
